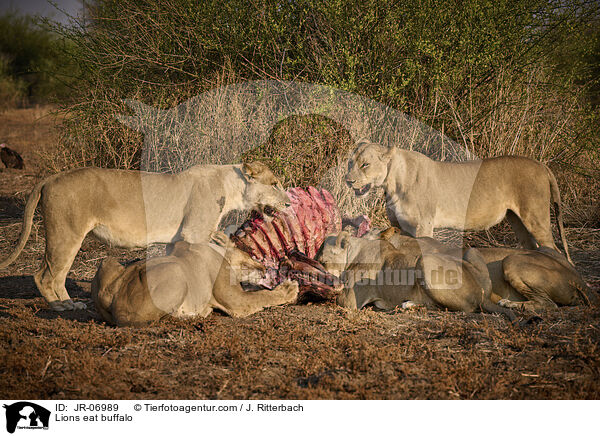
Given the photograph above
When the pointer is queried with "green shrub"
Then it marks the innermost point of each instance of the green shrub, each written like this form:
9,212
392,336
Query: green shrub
496,76
31,67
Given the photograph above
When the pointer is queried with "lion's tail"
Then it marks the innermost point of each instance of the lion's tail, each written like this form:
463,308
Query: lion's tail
490,307
558,212
32,202
587,296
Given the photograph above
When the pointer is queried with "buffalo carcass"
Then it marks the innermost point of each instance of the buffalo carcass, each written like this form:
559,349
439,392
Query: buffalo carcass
288,242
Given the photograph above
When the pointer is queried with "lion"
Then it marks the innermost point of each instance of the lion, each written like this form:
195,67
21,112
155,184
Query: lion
131,209
520,278
422,194
533,280
375,272
193,280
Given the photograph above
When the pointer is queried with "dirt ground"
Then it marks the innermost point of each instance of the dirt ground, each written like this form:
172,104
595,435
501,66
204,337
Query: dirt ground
294,352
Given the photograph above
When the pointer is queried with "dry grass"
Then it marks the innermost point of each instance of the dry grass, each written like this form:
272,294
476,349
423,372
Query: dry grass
259,120
305,352
33,132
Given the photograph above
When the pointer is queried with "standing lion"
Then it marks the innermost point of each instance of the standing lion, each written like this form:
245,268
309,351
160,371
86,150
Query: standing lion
422,194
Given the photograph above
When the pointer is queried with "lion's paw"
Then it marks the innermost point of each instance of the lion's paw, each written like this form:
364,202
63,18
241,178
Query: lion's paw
57,306
505,302
289,290
72,305
220,238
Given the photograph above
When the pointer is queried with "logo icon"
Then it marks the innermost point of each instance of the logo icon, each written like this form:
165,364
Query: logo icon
24,414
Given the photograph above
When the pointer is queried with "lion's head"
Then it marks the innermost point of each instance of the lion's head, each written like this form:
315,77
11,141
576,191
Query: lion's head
263,190
367,167
333,254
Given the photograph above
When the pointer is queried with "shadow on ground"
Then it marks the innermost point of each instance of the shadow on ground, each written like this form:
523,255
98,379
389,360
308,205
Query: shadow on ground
23,288
11,209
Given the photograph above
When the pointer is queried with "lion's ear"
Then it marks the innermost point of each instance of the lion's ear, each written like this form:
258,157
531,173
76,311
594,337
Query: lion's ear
343,239
260,172
363,140
253,170
386,152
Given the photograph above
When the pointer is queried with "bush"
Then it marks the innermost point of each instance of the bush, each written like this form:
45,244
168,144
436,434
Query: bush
490,75
12,91
31,69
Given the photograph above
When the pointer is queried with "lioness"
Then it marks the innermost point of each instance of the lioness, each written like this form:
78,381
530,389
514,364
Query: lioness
377,273
423,194
527,279
134,209
193,280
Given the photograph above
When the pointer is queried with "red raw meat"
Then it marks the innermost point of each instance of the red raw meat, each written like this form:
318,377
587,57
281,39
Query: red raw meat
333,210
301,208
295,232
287,243
283,234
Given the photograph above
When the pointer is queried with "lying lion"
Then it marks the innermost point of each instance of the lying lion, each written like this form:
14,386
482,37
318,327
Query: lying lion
193,280
526,279
134,209
377,273
423,194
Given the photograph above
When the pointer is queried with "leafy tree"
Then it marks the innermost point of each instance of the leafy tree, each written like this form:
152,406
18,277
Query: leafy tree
30,57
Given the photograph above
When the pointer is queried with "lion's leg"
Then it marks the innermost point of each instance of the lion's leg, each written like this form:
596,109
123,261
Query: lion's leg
347,298
43,281
538,224
543,279
392,217
495,298
520,230
409,226
169,249
424,229
61,249
234,301
199,223
527,305
530,280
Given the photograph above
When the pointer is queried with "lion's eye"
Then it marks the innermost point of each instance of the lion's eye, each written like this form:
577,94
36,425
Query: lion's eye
366,164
